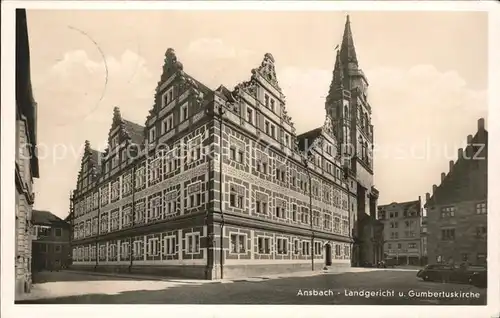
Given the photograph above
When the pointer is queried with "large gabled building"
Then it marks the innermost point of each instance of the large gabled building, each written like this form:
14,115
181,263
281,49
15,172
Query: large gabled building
218,184
457,209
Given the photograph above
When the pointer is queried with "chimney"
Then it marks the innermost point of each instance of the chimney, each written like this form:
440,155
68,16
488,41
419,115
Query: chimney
427,196
434,187
443,175
460,153
480,124
469,139
452,163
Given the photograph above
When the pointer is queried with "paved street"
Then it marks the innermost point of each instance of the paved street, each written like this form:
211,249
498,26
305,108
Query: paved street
72,287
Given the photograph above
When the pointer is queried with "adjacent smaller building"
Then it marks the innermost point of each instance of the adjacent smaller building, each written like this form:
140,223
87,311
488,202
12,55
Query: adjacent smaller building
402,224
457,208
51,236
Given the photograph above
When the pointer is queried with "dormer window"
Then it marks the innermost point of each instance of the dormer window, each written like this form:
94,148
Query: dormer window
114,142
250,115
152,135
169,96
184,112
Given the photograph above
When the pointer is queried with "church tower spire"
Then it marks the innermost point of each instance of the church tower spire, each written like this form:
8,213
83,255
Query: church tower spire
347,49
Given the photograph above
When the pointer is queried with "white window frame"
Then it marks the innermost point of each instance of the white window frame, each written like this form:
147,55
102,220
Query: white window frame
284,242
169,245
240,237
152,135
155,208
264,239
153,248
124,249
126,216
138,246
296,246
155,170
190,239
140,177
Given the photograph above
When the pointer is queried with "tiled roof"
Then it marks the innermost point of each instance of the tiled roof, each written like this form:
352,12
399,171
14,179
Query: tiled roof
135,131
306,139
41,217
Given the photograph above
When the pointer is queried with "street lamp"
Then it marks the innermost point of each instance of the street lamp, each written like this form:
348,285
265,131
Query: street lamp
306,165
218,112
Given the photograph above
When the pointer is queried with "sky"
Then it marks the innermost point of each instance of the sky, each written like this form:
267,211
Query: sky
427,73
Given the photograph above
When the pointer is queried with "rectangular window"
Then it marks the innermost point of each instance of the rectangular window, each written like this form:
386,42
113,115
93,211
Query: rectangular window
273,105
169,96
138,249
337,250
250,115
267,127
273,131
57,248
412,245
282,245
481,208
184,112
264,245
236,197
140,178
306,248
266,100
194,195
481,232
238,243
170,202
58,232
261,207
448,212
152,135
193,243
153,246
296,249
169,244
318,248
125,252
294,212
447,234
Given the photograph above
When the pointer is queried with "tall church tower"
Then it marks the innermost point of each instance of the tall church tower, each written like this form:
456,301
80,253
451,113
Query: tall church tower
348,106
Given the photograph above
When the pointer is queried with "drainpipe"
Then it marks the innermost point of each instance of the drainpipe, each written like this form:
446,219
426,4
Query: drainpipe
306,164
220,113
98,225
133,177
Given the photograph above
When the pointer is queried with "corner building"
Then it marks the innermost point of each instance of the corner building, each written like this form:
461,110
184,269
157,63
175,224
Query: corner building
457,218
222,186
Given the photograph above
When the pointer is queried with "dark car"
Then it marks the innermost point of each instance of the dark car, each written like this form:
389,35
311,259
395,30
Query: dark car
449,273
479,279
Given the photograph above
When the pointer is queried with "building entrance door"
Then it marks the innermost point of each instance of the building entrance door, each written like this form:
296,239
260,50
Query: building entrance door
328,254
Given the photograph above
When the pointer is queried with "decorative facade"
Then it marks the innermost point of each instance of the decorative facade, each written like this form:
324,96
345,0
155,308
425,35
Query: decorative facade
457,209
26,160
402,231
217,184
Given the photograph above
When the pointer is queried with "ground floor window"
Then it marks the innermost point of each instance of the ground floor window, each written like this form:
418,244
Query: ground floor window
264,245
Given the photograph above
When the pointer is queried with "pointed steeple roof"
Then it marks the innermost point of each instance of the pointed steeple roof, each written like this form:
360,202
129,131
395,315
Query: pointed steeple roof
337,84
347,49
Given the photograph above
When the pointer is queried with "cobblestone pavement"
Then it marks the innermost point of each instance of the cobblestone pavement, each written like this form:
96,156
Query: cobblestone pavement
339,288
